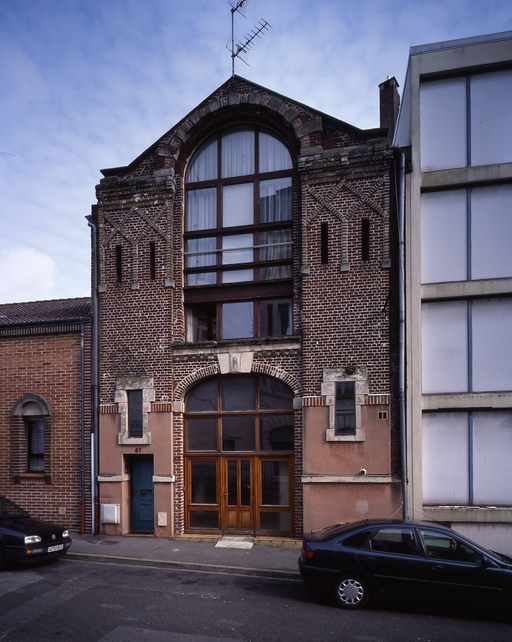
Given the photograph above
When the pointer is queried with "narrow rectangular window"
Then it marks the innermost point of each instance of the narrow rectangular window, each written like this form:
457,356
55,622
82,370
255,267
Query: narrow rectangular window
365,239
324,243
35,445
345,408
135,428
119,263
152,261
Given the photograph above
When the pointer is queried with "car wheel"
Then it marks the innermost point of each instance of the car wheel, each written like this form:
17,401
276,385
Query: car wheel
351,592
2,559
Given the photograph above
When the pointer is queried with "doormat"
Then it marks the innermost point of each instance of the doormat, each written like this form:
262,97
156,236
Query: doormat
235,541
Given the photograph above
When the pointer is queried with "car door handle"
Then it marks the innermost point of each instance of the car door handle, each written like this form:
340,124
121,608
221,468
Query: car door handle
438,567
369,558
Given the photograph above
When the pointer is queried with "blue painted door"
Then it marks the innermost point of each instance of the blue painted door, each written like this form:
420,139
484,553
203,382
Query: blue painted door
142,494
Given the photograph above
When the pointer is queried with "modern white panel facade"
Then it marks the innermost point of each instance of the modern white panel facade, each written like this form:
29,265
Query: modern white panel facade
454,135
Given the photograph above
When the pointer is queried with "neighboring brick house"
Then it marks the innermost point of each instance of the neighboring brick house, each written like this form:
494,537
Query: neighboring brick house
45,409
248,322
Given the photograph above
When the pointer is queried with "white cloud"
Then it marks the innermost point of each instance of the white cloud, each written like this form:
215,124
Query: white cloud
27,275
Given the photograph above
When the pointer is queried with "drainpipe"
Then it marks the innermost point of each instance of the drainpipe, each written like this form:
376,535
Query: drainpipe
95,379
401,334
82,430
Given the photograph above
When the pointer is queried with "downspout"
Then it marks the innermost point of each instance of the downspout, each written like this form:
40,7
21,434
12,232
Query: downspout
82,430
401,334
95,380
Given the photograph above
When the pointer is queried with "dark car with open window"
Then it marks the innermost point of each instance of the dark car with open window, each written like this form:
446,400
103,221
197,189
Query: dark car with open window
25,539
414,559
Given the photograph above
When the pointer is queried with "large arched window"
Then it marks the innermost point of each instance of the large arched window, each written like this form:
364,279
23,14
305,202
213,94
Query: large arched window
238,237
244,413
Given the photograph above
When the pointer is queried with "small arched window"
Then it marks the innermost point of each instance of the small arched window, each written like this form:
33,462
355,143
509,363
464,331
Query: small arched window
238,230
32,430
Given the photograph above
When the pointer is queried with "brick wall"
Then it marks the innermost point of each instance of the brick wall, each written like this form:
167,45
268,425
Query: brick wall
46,361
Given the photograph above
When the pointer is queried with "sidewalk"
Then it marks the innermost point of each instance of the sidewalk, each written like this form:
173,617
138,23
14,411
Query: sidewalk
266,558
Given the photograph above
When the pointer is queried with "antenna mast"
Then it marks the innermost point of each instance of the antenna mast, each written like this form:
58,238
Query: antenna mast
243,47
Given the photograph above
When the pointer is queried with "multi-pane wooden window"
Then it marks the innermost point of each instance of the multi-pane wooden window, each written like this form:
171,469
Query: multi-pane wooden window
240,413
238,237
35,444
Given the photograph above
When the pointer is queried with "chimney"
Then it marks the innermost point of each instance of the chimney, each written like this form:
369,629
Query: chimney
389,104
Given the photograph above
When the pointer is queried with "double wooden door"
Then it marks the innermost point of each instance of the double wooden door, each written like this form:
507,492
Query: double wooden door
240,494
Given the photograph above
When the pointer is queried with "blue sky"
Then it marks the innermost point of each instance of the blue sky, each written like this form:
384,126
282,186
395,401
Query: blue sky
90,84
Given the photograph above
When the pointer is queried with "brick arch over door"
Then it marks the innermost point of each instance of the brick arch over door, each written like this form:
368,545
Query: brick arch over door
185,384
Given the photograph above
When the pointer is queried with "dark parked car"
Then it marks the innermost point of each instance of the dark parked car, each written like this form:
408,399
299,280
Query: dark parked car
397,557
26,539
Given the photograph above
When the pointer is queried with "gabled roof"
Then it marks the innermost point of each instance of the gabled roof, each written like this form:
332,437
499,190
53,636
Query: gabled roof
43,312
222,91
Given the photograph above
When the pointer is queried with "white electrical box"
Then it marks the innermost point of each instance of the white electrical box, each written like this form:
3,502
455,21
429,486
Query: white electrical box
110,514
162,519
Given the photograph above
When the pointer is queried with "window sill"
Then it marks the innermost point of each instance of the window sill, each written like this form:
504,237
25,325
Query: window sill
330,435
124,440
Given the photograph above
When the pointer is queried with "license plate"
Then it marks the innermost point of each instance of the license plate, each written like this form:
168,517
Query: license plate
52,549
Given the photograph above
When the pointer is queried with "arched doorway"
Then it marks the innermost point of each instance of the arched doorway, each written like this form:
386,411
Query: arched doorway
239,442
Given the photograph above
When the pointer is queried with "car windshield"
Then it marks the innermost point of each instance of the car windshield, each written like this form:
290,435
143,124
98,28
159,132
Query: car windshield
8,510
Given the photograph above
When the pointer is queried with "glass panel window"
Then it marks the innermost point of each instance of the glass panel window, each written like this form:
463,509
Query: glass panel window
446,140
237,153
492,445
445,458
237,320
491,232
491,345
443,124
202,434
201,209
201,252
202,322
244,404
467,346
275,318
276,245
35,445
204,396
466,234
273,154
238,393
276,200
466,458
276,432
238,433
444,236
204,482
204,165
274,394
275,521
445,347
491,134
345,408
255,197
275,483
135,428
238,205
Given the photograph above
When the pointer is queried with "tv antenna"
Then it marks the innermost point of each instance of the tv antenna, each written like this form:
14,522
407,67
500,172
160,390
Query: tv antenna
247,44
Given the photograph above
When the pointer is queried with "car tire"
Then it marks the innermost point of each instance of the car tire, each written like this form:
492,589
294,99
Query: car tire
351,592
2,559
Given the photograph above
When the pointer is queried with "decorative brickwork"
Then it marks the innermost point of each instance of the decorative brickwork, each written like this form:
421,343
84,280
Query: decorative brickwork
342,307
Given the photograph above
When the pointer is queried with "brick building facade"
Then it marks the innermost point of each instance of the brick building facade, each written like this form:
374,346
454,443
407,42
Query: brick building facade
45,409
246,308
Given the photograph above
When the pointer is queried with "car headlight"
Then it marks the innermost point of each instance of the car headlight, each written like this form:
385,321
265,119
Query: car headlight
65,533
32,539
